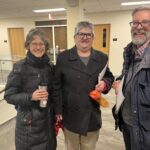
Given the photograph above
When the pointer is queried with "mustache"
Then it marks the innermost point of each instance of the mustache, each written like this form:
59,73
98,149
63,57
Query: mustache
84,40
138,32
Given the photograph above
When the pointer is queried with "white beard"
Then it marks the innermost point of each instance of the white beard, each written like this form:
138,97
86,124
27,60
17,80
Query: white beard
140,41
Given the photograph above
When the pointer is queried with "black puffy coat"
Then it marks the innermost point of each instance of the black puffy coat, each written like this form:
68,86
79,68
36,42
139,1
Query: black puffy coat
34,125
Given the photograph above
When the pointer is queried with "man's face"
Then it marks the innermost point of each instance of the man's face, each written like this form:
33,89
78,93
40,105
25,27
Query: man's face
84,39
140,28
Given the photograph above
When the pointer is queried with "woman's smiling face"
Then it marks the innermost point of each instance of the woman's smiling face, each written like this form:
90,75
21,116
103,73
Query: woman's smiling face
37,47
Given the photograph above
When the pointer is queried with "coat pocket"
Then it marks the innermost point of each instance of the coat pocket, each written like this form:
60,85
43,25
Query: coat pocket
146,125
145,94
24,117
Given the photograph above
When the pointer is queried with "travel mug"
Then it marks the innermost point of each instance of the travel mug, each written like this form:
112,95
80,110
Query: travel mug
43,87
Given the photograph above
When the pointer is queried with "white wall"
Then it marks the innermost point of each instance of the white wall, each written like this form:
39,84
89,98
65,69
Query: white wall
120,29
11,23
4,46
26,23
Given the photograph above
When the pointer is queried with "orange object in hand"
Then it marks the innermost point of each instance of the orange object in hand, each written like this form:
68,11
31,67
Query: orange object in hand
103,102
96,96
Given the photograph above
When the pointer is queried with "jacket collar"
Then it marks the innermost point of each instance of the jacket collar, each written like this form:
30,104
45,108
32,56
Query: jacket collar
145,62
77,64
74,55
146,58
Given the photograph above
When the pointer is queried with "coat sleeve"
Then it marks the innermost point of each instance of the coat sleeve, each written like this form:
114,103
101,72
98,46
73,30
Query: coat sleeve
57,92
13,93
108,79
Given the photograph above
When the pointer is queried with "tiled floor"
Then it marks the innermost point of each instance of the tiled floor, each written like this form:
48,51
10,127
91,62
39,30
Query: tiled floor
109,139
6,111
3,76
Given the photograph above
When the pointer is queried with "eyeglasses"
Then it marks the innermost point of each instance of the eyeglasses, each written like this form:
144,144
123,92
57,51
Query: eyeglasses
87,35
38,44
144,23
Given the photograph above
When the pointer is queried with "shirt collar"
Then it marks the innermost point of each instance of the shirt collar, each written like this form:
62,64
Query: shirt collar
140,51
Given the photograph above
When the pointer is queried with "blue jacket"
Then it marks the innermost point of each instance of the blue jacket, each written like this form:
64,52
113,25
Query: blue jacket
140,99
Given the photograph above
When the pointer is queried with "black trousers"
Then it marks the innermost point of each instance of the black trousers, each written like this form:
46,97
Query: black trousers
127,131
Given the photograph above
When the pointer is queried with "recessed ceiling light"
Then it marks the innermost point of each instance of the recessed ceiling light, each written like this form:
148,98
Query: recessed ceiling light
49,10
135,3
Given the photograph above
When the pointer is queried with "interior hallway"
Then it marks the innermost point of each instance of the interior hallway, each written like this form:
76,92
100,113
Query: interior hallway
109,139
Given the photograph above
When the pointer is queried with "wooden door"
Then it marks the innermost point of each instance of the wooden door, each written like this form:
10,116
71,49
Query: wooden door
61,37
102,37
16,40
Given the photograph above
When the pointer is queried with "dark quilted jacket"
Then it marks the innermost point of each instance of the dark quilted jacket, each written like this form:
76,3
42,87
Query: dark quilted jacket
34,125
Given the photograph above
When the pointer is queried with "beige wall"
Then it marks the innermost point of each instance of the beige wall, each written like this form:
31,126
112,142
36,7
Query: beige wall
26,23
119,29
11,23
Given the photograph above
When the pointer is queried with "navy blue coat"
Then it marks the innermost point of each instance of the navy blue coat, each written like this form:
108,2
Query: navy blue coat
140,101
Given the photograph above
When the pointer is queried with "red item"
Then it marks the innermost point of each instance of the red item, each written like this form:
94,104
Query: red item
105,87
96,96
58,125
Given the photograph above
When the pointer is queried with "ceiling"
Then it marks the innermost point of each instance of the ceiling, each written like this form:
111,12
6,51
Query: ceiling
23,8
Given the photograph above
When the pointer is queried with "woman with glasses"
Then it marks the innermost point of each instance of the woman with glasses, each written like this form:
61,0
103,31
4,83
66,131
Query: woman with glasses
76,75
29,88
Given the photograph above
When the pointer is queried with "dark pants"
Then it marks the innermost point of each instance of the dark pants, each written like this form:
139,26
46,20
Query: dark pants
127,131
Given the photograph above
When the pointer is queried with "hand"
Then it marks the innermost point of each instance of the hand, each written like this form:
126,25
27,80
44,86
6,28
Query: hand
59,118
115,86
39,95
101,86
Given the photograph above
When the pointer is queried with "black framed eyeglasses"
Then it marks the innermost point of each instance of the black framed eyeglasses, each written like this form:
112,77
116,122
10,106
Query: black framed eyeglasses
87,35
145,23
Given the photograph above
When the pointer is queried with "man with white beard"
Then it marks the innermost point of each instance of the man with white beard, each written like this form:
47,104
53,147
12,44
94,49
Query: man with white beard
134,114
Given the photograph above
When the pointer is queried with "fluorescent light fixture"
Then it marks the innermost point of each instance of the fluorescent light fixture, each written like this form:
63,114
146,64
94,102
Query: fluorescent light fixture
49,10
135,3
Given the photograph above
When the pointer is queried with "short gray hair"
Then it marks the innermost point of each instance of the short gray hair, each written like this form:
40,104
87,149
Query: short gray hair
83,24
36,32
142,8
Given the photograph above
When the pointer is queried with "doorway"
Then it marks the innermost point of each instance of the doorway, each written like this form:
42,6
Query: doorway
16,40
57,36
102,37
